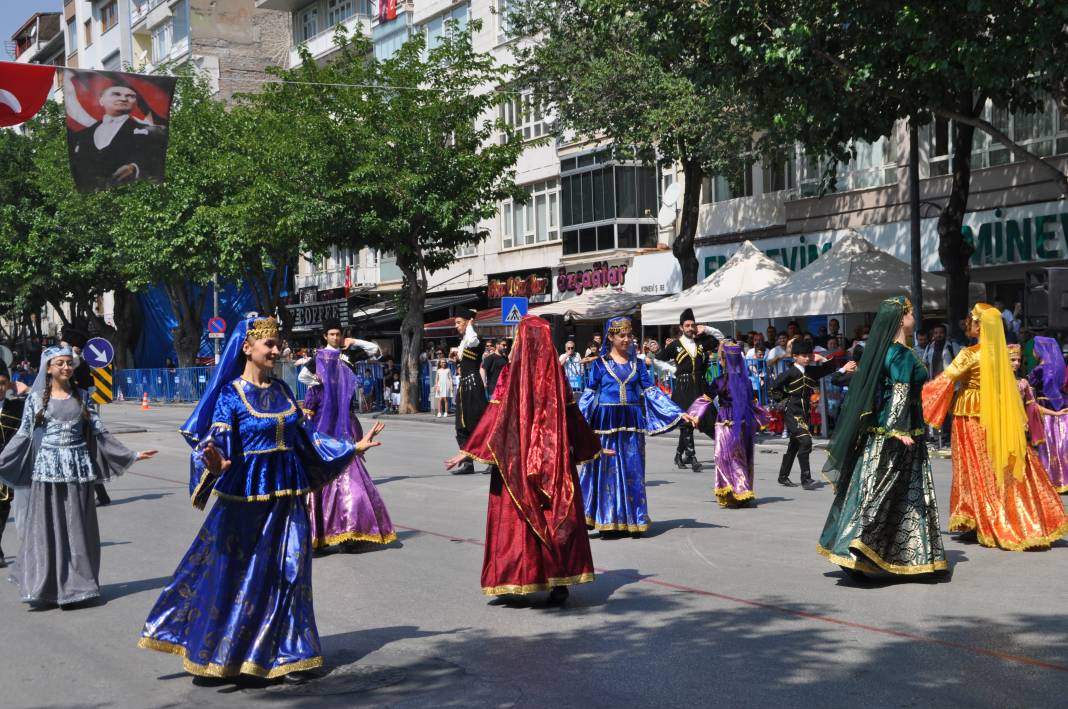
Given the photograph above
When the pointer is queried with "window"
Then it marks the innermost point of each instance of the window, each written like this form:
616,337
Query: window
161,42
113,62
72,36
502,9
309,23
936,137
535,222
780,171
525,117
436,28
88,29
737,183
109,16
180,23
338,11
608,204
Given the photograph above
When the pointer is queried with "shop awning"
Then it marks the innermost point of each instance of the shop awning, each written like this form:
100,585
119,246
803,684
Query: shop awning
596,305
748,270
853,277
447,326
379,313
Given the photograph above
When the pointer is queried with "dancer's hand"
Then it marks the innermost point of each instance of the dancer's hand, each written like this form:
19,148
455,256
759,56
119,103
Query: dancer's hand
145,455
850,366
214,460
368,440
455,460
907,440
693,420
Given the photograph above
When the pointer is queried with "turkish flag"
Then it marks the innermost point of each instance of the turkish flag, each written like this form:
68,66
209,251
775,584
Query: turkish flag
23,90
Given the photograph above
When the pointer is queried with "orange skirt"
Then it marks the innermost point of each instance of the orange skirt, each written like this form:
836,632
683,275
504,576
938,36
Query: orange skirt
1025,514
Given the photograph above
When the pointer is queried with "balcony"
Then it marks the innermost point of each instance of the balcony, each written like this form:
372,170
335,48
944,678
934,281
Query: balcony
335,278
322,44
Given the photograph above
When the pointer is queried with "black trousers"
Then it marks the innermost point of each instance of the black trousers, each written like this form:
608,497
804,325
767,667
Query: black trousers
686,443
5,512
800,447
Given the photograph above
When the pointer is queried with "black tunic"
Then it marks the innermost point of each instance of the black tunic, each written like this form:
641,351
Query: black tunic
690,376
795,390
10,419
471,394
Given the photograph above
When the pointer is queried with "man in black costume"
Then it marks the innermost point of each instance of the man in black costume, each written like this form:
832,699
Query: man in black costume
687,358
11,406
795,388
471,394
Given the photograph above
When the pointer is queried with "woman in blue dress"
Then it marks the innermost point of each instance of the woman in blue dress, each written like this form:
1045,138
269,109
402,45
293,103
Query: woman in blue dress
241,598
622,404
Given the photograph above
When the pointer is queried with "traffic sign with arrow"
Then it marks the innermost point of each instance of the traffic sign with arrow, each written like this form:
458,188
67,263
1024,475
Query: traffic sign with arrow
98,352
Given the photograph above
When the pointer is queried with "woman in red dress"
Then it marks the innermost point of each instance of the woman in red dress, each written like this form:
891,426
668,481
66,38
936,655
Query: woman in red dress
535,436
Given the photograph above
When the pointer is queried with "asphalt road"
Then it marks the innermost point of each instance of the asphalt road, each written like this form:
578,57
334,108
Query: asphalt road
725,608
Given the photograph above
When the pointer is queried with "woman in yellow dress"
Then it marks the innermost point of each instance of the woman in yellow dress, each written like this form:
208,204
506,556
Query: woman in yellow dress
1000,489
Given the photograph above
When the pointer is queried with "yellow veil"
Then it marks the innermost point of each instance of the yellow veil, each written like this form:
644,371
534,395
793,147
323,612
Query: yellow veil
1001,410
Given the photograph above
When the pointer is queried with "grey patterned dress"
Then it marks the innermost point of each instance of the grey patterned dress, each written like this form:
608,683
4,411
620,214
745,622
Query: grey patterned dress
59,552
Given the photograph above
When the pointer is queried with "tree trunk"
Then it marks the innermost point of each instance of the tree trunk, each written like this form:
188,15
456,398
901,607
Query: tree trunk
412,339
683,249
954,250
187,305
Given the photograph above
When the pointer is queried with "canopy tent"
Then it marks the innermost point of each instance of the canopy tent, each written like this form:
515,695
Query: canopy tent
853,277
595,305
748,270
447,326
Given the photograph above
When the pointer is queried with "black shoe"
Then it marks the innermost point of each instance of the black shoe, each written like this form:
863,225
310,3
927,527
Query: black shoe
696,466
558,595
487,470
465,469
102,497
787,482
809,484
3,561
302,677
678,462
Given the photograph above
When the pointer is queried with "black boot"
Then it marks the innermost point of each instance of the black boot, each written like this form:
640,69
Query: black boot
102,498
807,482
679,463
691,453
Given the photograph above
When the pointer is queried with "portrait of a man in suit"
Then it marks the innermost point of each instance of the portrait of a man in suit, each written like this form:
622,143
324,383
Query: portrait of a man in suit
119,148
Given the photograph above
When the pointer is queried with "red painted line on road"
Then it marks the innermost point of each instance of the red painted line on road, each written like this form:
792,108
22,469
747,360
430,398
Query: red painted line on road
1019,659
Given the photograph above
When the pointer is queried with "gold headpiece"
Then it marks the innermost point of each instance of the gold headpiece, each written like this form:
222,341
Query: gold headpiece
618,325
976,313
906,307
1014,349
263,329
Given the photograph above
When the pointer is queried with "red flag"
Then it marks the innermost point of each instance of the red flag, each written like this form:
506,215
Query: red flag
23,90
387,10
348,280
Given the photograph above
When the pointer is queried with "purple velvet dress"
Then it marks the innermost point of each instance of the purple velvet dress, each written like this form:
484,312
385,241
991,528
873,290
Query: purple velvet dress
349,508
737,423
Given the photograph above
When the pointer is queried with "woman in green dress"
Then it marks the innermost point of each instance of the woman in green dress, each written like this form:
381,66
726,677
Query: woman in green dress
884,519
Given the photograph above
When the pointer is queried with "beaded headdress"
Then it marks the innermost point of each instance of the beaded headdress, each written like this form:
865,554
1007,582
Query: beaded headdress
263,329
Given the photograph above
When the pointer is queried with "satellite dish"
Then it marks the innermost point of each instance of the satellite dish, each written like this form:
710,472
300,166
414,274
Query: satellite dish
666,216
5,354
671,194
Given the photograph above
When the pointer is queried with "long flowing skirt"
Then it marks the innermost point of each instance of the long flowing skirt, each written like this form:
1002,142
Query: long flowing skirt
734,466
516,561
241,598
613,487
884,518
1054,452
349,509
1022,514
59,550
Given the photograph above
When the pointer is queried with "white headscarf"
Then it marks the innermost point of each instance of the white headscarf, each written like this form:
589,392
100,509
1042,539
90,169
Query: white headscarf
46,358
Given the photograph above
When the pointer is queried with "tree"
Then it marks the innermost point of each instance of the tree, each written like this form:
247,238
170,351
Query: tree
166,232
827,71
632,70
405,158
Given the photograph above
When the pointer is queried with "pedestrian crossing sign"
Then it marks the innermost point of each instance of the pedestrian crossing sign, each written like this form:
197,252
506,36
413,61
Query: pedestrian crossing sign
513,309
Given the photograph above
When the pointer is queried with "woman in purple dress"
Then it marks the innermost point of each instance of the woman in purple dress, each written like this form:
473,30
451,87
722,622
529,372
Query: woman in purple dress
1047,381
740,417
348,509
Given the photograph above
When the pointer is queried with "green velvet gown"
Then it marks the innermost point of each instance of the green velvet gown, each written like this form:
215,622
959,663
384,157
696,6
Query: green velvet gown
884,518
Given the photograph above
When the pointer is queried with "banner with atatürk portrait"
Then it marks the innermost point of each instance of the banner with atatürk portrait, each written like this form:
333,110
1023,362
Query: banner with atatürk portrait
116,126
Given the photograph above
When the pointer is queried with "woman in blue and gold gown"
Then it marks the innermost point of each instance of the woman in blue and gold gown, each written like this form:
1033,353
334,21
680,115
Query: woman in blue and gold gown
240,601
622,404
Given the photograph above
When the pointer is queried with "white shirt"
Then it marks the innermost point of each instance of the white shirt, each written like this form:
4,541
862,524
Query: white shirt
107,129
308,379
689,345
470,338
775,353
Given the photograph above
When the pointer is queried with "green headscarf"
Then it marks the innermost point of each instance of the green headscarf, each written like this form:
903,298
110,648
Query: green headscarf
858,414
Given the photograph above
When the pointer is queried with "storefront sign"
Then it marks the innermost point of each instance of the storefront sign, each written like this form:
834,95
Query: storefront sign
312,316
654,273
534,287
1012,237
599,275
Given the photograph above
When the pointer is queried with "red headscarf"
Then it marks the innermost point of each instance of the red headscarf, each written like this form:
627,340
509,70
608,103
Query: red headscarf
529,438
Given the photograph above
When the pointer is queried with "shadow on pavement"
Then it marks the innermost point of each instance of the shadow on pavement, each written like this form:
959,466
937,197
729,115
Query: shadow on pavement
137,498
112,591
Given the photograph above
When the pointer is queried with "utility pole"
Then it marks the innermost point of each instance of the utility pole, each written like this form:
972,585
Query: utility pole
215,310
916,246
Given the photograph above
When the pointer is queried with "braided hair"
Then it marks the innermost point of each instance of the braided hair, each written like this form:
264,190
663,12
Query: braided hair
46,396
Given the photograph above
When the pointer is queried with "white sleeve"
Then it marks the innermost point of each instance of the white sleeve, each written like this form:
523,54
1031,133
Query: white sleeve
306,377
663,366
470,337
367,346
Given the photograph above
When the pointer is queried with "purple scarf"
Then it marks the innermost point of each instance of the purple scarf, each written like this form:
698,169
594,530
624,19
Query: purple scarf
1048,376
339,386
739,386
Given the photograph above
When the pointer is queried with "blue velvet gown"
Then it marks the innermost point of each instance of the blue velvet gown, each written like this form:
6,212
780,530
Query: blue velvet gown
622,404
241,598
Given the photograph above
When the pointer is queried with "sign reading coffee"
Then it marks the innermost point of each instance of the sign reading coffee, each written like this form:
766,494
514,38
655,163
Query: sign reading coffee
312,316
599,275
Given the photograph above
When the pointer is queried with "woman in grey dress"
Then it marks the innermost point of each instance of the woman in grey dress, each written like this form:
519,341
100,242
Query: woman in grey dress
59,452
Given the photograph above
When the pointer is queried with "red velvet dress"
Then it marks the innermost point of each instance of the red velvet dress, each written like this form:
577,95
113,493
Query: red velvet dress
517,560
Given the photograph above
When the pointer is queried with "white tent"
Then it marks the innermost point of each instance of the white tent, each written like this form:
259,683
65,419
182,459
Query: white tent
853,277
748,270
595,305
